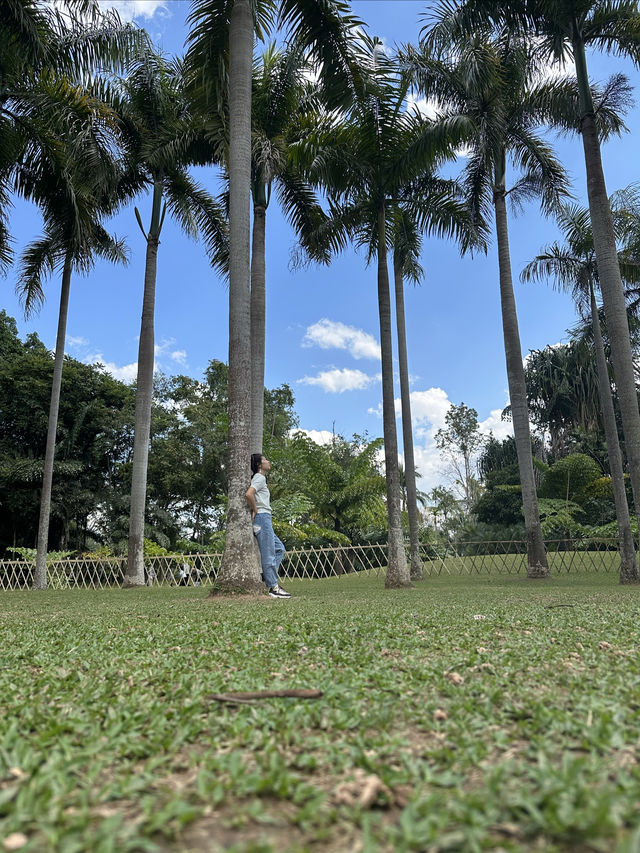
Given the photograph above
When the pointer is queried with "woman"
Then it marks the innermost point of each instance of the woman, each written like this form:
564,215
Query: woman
271,548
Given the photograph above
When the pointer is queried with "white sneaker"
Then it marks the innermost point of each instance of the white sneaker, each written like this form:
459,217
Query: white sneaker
278,592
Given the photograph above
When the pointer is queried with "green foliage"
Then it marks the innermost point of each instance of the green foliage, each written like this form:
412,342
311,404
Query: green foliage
571,478
559,518
341,484
501,505
29,555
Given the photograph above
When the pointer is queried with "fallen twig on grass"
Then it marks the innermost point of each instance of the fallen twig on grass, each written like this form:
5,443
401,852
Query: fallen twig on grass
549,606
246,698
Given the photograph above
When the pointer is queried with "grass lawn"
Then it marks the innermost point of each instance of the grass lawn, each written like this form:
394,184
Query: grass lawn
470,713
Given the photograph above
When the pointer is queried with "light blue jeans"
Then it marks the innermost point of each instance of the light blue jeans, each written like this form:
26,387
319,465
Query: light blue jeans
271,548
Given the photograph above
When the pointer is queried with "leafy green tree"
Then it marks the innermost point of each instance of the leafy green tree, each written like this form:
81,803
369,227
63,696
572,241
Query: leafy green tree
158,130
570,478
490,80
93,435
445,509
342,481
562,388
460,441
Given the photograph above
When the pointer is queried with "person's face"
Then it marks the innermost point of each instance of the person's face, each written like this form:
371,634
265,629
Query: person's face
265,465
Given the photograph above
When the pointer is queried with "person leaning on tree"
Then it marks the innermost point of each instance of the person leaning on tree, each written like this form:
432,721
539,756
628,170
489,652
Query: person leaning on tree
271,548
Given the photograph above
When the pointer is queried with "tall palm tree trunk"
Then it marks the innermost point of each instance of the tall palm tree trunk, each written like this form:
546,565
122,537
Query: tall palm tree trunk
40,574
258,325
537,566
609,275
134,575
407,431
628,566
397,569
239,568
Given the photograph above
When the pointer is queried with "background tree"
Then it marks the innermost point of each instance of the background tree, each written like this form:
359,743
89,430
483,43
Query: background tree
460,441
282,99
74,194
221,49
158,127
565,31
574,267
46,57
491,80
364,164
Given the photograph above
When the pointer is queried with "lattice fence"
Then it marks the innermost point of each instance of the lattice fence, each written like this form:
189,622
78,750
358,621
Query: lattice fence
469,558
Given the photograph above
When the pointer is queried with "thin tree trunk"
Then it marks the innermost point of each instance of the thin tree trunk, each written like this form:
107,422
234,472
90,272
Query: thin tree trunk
239,568
397,569
407,426
40,574
613,299
628,565
537,566
134,575
258,325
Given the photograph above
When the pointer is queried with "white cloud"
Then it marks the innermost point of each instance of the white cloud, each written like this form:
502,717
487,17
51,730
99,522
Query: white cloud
126,373
179,355
320,436
494,424
336,381
329,334
427,407
131,9
74,342
422,106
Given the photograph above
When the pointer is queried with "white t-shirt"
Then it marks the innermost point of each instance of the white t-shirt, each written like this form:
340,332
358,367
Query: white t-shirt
263,498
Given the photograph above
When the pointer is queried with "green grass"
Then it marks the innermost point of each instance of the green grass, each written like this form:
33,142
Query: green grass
109,740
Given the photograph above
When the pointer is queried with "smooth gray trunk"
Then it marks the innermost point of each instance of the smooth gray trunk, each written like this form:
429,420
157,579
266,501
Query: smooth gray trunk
613,300
258,325
537,566
415,562
40,573
239,569
134,575
628,564
397,569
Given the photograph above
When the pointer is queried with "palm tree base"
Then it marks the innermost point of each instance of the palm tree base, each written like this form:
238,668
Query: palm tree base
538,572
415,571
396,583
230,588
629,577
132,583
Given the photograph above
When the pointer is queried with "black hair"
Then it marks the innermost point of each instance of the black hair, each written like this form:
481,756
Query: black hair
256,462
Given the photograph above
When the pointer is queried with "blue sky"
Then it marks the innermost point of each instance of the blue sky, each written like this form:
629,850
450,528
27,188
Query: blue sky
322,323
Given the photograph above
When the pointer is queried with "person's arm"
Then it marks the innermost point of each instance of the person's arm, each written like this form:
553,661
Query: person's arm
250,495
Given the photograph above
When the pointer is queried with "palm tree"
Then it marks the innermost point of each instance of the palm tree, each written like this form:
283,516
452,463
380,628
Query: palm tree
423,206
491,82
45,59
365,164
74,194
573,267
158,131
281,100
564,30
221,51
